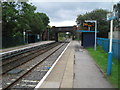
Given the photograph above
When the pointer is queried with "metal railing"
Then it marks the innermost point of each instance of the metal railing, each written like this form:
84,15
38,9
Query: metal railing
104,42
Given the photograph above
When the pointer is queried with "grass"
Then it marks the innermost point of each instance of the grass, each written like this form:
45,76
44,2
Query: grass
61,38
101,58
77,39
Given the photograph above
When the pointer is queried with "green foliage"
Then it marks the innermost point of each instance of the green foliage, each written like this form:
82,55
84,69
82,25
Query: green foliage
61,36
101,58
8,18
0,11
44,19
21,16
117,11
28,19
100,16
117,8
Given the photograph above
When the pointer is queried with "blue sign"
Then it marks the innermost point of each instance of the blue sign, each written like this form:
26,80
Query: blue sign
111,18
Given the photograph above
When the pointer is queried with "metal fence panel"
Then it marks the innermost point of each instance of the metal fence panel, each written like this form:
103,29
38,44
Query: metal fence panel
104,42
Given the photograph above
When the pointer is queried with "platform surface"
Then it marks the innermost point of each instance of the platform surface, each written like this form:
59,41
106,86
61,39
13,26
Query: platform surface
24,46
75,69
62,74
87,74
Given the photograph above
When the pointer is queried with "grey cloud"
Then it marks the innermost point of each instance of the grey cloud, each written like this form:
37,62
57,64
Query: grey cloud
61,11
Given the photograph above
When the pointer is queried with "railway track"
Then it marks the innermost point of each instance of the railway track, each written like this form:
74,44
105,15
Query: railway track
9,54
36,65
13,62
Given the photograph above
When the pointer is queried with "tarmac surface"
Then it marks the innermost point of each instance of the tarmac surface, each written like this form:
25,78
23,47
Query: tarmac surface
87,74
75,69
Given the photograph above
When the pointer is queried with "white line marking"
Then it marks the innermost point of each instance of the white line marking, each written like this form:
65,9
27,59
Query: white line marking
28,85
43,79
18,84
8,83
32,81
13,79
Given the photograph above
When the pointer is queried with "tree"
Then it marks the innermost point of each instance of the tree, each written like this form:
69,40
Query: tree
44,19
36,24
9,23
18,17
117,11
26,14
9,18
100,16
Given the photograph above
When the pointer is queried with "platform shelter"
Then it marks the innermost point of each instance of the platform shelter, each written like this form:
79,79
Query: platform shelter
87,38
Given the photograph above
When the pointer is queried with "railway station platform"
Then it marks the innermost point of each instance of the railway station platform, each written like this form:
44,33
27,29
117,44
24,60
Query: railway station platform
24,46
74,69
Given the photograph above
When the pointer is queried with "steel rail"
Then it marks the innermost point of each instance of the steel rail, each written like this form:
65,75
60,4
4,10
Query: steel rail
41,51
12,84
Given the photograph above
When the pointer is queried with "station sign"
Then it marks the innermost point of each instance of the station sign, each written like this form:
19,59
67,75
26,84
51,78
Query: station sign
88,24
111,16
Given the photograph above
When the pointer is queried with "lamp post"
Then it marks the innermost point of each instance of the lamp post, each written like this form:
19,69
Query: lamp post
94,21
78,27
24,36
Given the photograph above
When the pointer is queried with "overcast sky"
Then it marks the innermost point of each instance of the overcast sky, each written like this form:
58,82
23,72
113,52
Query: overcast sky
65,13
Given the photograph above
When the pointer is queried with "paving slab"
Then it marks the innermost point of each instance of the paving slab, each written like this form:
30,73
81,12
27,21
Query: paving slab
76,69
67,81
62,74
87,74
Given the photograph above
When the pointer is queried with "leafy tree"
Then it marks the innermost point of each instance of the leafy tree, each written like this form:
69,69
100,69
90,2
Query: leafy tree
18,17
44,19
9,18
0,11
117,11
37,26
36,22
100,16
9,22
26,13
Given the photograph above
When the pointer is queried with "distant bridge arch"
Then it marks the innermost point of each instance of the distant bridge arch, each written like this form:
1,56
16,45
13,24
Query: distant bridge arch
56,30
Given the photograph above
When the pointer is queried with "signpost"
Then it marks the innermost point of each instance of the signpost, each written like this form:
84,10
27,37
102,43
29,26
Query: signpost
111,17
94,21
